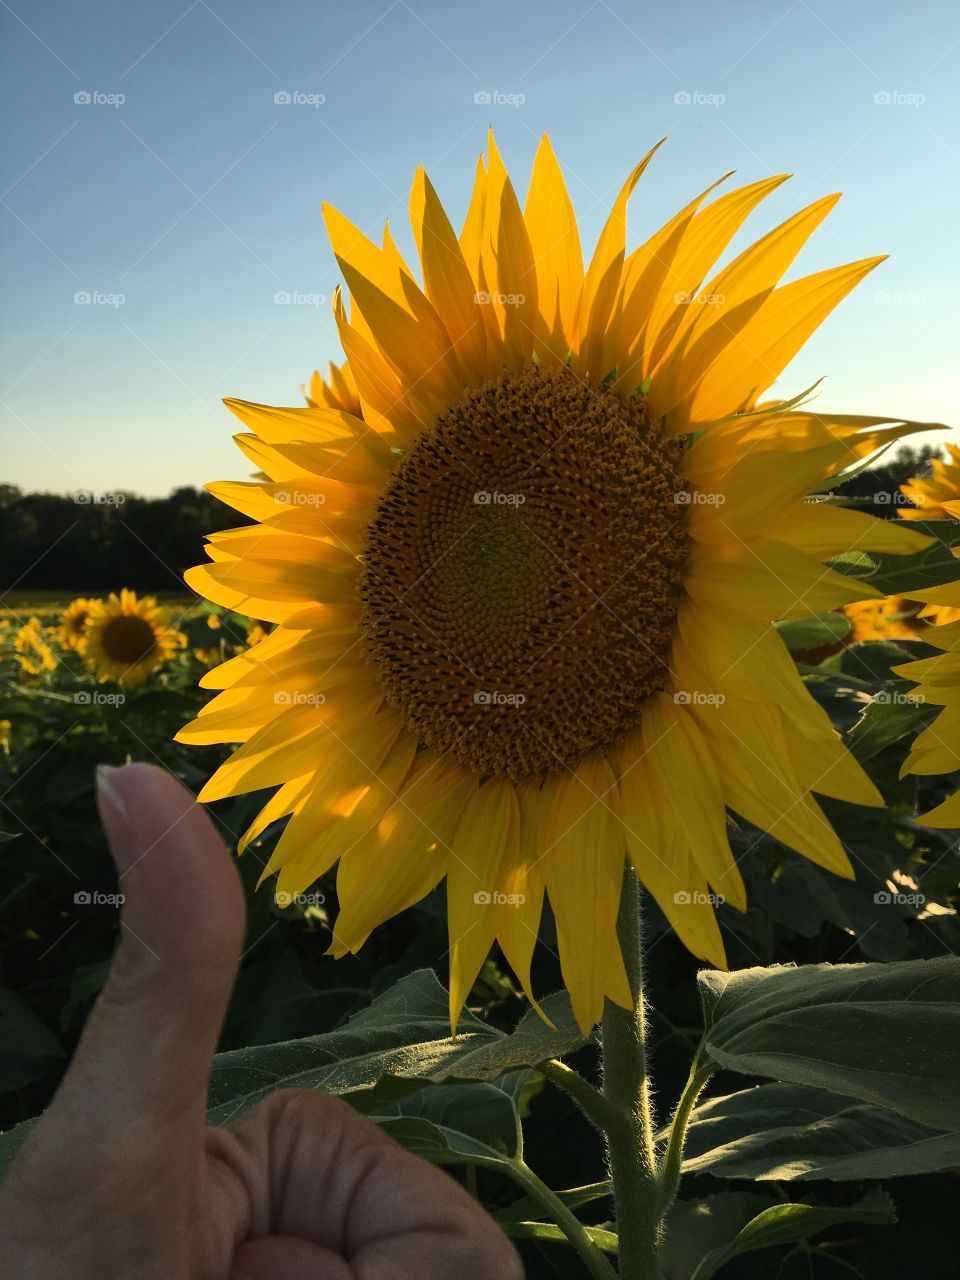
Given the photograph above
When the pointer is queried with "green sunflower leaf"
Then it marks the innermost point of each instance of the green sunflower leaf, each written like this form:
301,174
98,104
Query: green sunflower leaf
793,1133
899,575
887,1034
404,1033
787,1223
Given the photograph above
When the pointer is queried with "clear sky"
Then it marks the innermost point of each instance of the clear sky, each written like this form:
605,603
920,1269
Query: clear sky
196,199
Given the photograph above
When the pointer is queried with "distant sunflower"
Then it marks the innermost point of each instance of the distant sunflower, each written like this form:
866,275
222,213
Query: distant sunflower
31,649
524,603
129,638
932,492
892,618
937,749
73,624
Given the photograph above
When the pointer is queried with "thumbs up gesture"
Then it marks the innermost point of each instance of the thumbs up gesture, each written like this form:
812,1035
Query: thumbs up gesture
122,1180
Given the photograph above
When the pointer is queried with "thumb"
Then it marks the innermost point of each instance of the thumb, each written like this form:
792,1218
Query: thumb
139,1075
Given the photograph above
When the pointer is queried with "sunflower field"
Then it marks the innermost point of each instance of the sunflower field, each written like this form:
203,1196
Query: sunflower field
588,730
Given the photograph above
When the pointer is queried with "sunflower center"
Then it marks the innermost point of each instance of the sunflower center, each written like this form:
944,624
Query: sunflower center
522,574
128,639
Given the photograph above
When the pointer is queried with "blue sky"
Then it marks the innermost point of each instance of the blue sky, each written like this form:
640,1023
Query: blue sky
185,208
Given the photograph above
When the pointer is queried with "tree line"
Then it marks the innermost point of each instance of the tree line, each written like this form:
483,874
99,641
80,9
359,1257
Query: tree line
90,542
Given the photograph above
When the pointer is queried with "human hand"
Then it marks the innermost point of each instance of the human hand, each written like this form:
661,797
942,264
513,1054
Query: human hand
122,1180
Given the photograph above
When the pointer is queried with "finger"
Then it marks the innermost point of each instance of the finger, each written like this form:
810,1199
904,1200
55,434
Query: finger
139,1075
317,1171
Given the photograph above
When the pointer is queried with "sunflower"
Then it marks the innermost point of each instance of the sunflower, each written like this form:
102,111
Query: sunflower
937,749
128,638
932,492
892,618
73,624
32,651
524,600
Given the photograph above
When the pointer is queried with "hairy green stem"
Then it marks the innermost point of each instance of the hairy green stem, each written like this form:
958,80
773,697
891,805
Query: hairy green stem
669,1173
590,1100
626,1086
593,1258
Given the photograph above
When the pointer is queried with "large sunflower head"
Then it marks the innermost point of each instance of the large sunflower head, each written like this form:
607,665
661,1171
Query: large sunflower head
73,624
524,598
129,637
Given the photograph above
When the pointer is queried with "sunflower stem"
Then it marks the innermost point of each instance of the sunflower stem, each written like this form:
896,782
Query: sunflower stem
669,1172
631,1155
591,1101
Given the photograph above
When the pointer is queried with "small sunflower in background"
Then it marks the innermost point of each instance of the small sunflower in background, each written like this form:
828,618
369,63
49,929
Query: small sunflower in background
892,618
128,638
932,493
937,749
524,597
34,655
73,624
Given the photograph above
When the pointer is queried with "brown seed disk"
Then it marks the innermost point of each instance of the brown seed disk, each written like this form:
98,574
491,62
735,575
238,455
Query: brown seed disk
523,571
127,638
